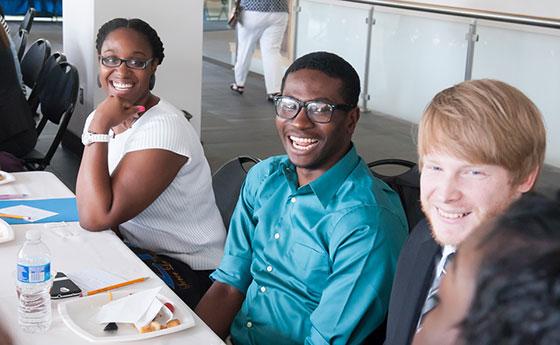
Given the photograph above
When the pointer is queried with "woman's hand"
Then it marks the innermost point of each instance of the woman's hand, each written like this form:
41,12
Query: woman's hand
114,111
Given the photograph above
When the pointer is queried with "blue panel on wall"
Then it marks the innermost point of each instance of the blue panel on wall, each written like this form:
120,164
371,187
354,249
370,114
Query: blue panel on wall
44,8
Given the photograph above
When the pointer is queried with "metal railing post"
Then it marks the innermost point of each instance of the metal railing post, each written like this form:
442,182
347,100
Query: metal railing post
370,21
472,38
296,9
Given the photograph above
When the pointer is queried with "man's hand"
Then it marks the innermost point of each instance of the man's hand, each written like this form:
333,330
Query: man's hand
218,307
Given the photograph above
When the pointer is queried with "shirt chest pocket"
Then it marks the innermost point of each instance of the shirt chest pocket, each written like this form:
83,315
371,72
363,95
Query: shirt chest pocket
311,264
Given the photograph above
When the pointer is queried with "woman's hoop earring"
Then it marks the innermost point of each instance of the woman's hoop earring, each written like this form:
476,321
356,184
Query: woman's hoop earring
152,82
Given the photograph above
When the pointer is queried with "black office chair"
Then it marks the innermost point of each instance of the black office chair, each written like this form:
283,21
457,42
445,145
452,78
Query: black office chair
227,182
57,101
21,42
27,21
406,184
53,60
33,61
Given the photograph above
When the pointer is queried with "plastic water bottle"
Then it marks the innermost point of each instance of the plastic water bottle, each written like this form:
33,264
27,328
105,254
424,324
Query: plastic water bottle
33,284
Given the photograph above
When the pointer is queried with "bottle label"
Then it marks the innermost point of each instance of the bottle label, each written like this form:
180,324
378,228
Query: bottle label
34,274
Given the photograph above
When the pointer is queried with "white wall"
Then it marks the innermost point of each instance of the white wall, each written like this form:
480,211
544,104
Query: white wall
179,25
79,46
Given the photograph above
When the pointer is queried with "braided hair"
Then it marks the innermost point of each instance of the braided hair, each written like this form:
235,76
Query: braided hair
137,25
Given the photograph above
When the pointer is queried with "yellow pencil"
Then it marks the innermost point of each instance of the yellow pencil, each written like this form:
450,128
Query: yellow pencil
14,216
114,286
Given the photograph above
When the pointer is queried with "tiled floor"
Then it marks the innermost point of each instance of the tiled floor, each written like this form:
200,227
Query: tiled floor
233,125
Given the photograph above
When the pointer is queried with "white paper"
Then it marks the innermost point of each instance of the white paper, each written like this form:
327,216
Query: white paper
129,309
150,314
93,279
33,213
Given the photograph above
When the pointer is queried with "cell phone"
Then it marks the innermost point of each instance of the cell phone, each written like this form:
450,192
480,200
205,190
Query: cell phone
64,287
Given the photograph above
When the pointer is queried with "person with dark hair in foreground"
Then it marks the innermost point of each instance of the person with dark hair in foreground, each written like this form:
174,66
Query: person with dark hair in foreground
313,241
143,172
504,285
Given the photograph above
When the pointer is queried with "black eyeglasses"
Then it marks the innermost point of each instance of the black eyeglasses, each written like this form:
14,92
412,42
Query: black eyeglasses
317,111
113,61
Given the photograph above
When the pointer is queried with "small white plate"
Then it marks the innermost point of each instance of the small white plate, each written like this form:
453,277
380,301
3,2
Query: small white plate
6,232
79,315
6,177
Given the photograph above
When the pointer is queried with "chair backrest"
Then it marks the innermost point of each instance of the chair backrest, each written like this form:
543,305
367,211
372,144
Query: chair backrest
33,61
20,43
52,61
227,182
57,101
407,185
27,21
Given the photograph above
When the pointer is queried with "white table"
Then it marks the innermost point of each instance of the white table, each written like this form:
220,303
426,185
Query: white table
74,249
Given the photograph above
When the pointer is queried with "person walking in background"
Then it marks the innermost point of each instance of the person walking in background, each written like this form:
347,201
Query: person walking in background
264,21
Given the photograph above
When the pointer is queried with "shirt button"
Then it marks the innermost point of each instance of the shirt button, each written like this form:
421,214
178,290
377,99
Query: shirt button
269,268
293,200
249,324
263,289
276,235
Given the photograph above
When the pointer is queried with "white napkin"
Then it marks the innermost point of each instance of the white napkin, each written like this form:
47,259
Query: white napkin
139,308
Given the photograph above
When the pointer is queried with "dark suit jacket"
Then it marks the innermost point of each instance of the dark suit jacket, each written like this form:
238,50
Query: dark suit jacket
413,279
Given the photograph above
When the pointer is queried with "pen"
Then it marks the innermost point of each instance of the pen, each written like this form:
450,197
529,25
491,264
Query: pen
12,196
114,286
14,216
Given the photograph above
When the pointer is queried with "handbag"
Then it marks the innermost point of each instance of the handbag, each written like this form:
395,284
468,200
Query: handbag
235,14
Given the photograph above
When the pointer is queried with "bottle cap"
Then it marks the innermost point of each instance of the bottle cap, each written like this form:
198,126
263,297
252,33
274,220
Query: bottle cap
33,235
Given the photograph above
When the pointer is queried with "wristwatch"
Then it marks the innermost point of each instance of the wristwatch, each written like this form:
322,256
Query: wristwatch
89,138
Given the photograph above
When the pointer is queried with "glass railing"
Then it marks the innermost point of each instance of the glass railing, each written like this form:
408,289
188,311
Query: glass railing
406,54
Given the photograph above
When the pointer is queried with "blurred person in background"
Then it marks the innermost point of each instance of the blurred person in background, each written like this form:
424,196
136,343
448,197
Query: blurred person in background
263,22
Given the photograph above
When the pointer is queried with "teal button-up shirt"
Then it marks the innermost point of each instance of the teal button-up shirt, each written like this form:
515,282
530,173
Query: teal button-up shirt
315,262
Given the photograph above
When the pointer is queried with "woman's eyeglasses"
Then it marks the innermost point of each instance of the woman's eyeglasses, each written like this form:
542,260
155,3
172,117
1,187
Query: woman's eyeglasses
317,111
113,61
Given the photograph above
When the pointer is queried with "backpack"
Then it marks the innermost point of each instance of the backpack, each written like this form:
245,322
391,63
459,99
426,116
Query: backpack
407,185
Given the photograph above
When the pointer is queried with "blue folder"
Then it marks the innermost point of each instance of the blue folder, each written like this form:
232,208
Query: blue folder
65,207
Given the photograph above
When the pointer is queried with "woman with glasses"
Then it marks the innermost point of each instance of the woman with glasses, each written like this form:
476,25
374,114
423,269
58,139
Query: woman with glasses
143,172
